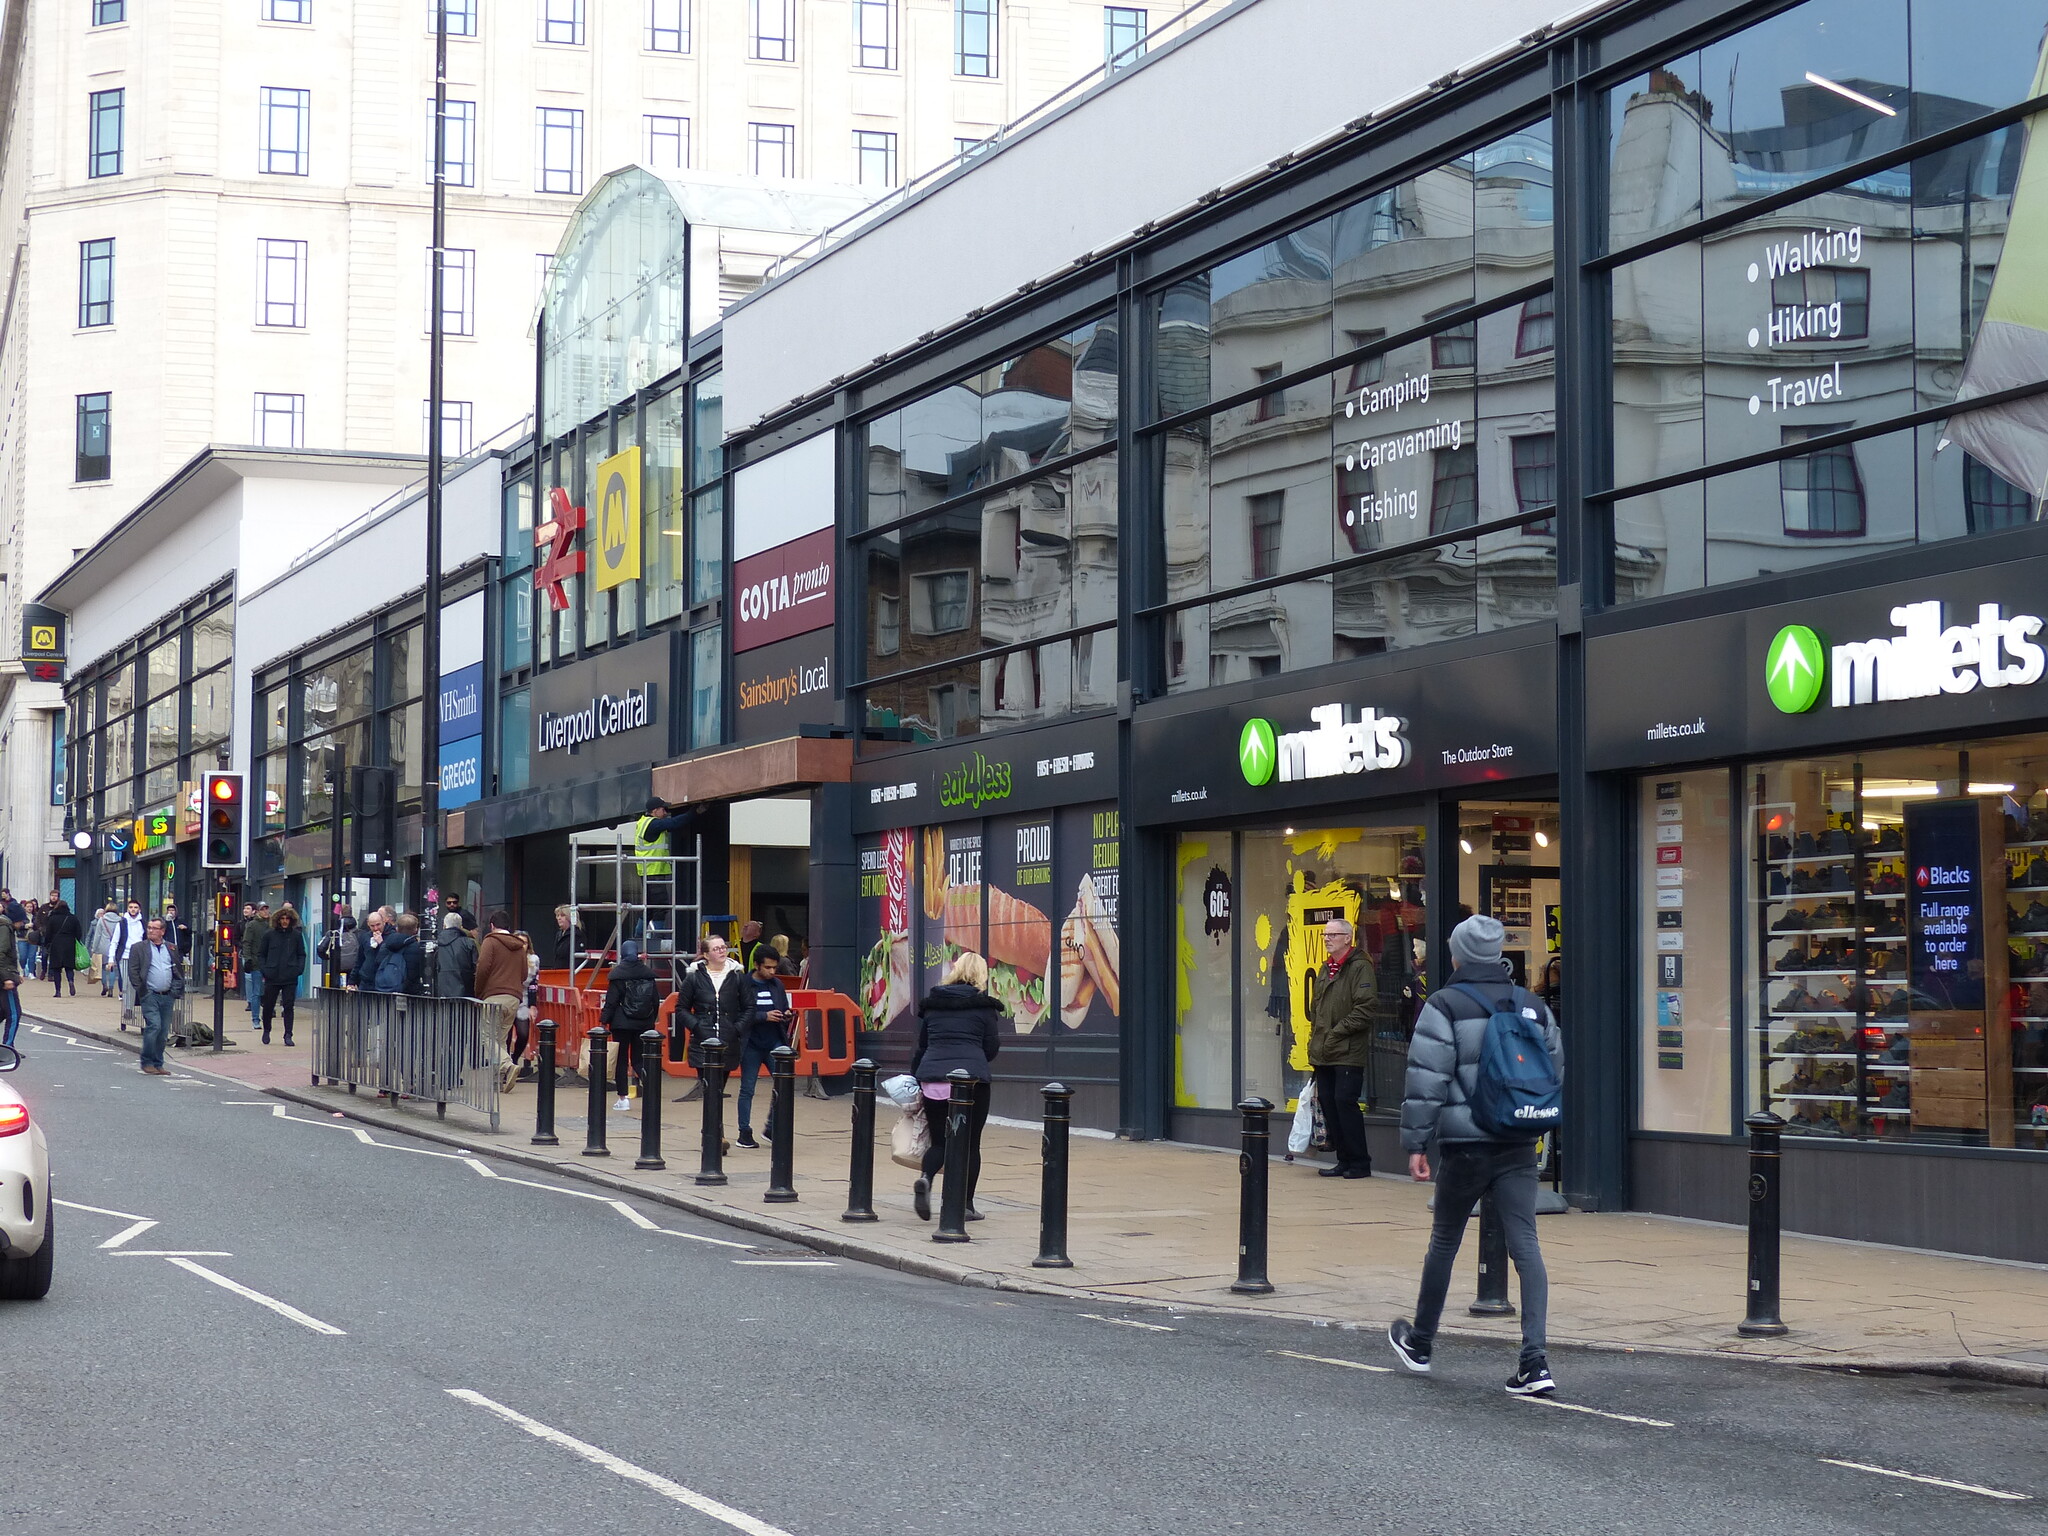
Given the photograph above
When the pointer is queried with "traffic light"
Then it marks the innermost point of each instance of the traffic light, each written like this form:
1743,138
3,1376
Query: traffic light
227,821
227,927
373,831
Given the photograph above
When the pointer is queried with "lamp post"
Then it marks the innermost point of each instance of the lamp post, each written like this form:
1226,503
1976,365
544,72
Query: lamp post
430,618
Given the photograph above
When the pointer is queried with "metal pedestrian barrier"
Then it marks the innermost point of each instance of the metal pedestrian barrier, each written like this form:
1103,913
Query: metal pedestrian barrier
439,1050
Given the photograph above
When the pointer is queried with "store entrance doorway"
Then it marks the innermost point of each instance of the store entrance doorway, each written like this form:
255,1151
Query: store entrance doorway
1507,868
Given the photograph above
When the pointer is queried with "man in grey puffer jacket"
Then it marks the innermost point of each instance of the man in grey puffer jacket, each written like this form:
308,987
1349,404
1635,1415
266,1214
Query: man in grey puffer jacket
1443,1072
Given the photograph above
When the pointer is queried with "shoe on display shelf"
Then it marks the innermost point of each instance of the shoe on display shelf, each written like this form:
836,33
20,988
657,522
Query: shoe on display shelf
1803,846
1794,921
1777,849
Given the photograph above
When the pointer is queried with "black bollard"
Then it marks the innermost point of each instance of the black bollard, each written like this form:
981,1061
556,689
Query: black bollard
1052,1187
593,1141
711,1073
1765,1161
860,1172
1492,1300
1251,1210
650,1099
782,1117
953,1208
544,1090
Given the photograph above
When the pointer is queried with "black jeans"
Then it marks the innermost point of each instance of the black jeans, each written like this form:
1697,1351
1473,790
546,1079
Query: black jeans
274,992
628,1057
1464,1172
935,1113
1337,1090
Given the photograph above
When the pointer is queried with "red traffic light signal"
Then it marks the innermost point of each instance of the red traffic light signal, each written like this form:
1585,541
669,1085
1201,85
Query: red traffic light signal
227,822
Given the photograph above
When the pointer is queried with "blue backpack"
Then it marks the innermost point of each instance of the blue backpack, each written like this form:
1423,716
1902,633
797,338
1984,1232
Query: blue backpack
1517,1095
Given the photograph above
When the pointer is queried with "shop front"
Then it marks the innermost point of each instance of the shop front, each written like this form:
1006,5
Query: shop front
1011,848
1382,794
1841,901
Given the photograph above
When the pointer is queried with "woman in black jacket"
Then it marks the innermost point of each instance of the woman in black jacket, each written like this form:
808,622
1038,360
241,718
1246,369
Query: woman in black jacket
61,937
957,1028
716,1000
281,958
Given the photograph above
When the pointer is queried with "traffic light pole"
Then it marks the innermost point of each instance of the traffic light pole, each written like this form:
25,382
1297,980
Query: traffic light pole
220,995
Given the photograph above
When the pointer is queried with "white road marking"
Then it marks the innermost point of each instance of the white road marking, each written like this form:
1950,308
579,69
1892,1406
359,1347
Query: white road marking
282,1309
738,1519
1349,1365
1600,1413
142,1225
484,1170
70,1040
1129,1322
172,1253
1932,1482
97,1210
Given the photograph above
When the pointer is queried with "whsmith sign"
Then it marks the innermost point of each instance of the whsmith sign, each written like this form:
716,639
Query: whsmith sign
1957,652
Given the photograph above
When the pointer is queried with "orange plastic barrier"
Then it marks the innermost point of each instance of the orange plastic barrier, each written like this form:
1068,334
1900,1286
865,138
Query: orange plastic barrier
572,1009
827,1030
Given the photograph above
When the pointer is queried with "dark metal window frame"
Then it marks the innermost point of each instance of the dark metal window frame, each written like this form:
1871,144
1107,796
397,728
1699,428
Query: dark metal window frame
106,132
96,282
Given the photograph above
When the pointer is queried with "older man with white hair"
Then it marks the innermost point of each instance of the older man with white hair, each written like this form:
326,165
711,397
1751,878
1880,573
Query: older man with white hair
1340,1007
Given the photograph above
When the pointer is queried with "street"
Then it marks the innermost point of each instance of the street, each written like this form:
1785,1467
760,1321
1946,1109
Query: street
265,1319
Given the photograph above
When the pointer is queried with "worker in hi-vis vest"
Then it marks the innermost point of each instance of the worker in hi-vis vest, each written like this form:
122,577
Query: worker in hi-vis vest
652,847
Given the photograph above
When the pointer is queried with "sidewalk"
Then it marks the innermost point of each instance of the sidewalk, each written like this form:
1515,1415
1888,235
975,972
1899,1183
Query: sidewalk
1155,1223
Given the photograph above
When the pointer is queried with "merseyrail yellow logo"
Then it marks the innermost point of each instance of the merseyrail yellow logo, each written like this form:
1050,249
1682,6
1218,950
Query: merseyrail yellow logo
617,495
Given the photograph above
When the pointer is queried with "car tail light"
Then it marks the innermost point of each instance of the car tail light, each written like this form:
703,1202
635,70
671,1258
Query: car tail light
13,1119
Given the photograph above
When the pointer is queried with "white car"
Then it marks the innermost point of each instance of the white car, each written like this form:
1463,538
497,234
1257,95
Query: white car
28,1238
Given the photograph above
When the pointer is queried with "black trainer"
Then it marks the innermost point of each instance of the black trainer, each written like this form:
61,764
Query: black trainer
1414,1352
747,1140
1532,1379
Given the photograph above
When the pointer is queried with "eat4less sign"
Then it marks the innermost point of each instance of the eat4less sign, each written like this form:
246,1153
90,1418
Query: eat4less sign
1924,659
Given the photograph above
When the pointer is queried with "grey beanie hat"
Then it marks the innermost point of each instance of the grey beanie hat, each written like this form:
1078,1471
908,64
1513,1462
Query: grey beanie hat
1476,941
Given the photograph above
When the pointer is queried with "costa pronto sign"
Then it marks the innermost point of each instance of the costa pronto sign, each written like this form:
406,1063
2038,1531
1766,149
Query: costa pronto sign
608,714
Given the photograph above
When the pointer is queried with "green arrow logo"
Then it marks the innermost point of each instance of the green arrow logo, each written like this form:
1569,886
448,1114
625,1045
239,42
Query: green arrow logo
1257,753
1794,669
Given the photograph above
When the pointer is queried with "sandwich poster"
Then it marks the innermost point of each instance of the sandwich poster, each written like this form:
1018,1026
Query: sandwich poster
1021,892
949,894
1089,887
884,918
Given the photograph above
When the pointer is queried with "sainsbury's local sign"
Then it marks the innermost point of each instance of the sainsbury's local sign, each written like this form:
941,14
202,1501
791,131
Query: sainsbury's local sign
1924,658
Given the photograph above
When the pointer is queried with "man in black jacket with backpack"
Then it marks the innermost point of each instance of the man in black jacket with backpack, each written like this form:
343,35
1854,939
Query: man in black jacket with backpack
632,1004
1445,1104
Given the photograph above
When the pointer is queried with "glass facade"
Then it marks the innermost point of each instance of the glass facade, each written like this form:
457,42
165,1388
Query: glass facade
1843,290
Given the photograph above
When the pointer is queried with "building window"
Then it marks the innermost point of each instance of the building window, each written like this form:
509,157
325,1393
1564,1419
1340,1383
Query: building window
668,143
1264,513
967,149
1367,370
284,140
561,21
95,282
1457,347
975,29
280,421
888,625
458,144
458,426
771,149
941,602
1123,34
458,292
1535,459
876,153
1273,403
299,12
1822,492
1990,500
95,433
281,282
103,134
771,30
558,150
106,12
1454,489
668,26
874,34
461,16
1537,331
1820,304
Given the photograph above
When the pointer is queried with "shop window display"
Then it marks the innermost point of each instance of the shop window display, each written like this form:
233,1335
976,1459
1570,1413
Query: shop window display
1252,909
1684,1007
1899,984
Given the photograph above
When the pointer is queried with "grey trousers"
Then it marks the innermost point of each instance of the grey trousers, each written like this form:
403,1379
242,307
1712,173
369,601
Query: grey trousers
1465,1171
